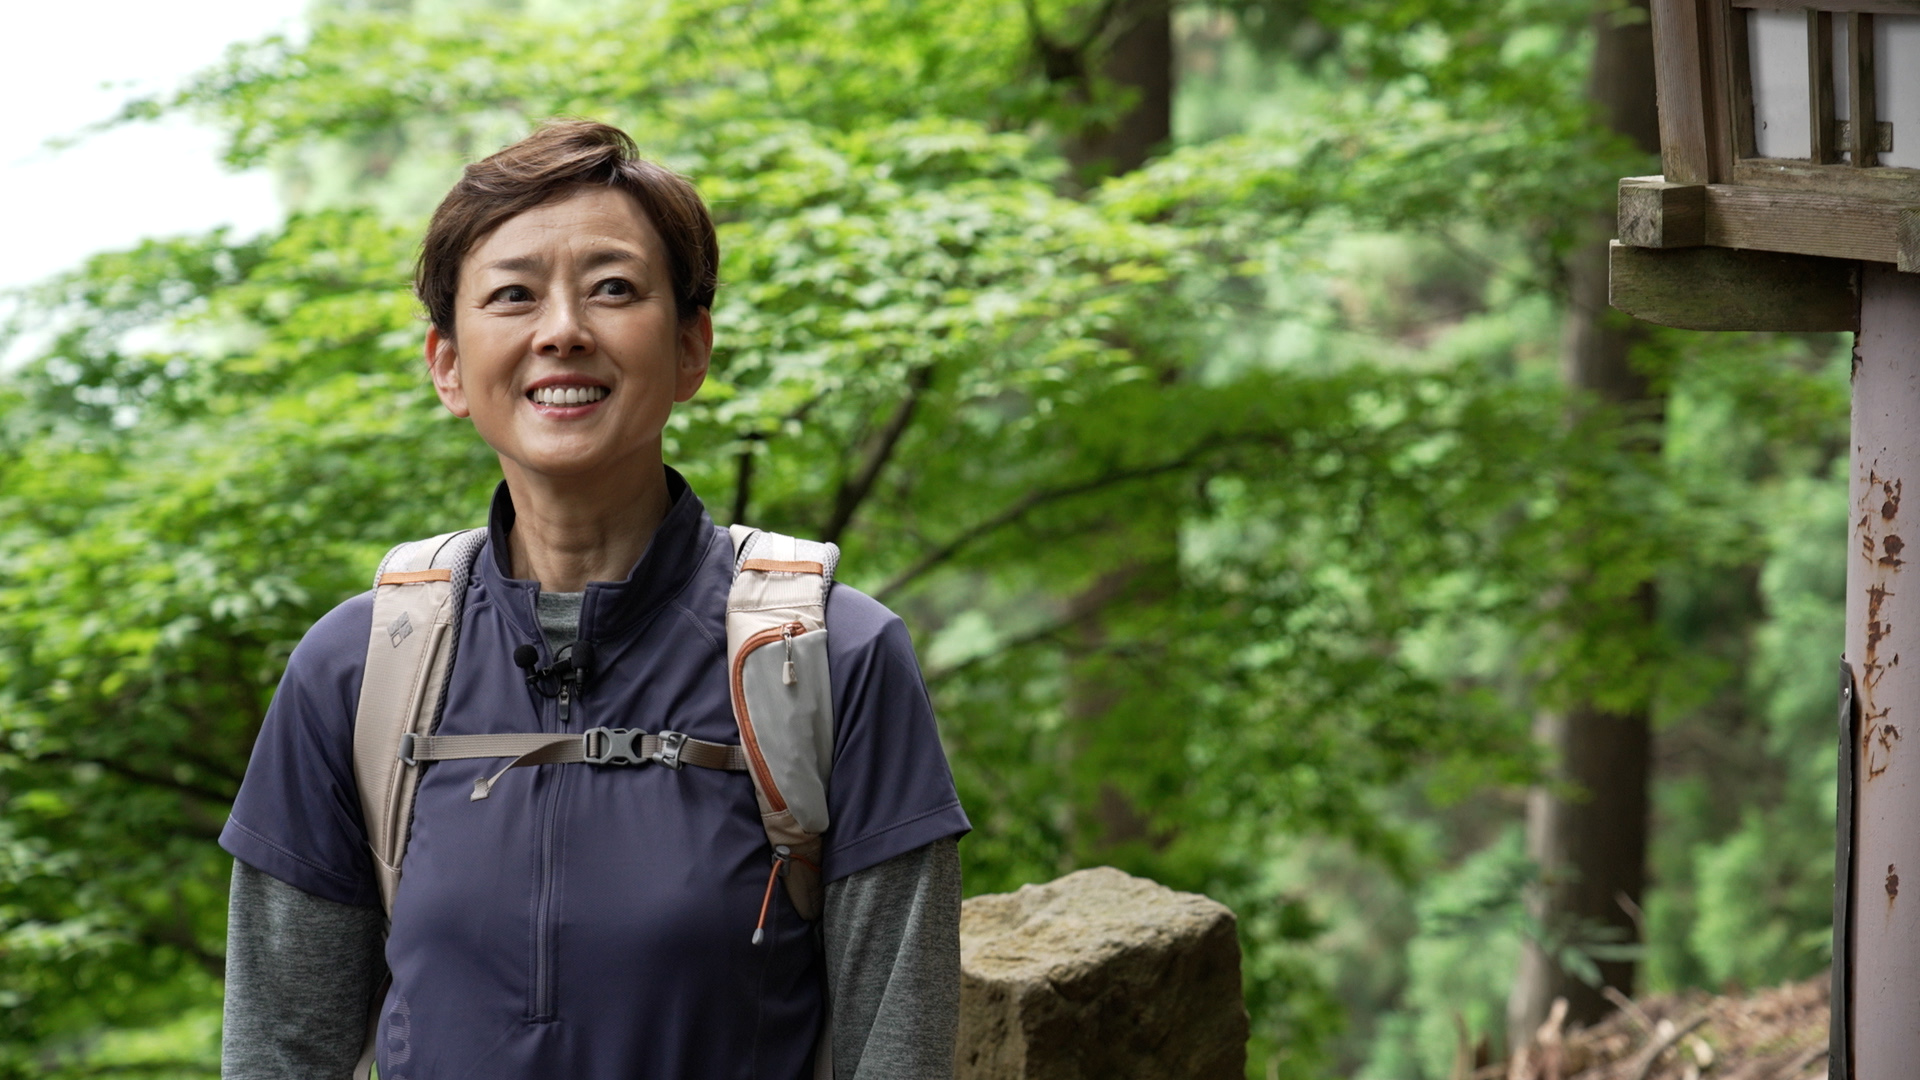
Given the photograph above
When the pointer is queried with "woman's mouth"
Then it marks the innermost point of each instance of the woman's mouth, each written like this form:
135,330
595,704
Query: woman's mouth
567,396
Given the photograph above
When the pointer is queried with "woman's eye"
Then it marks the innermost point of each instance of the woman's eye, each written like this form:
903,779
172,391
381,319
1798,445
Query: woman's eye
513,294
614,287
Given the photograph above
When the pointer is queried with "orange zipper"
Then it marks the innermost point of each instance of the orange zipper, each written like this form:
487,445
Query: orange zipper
748,740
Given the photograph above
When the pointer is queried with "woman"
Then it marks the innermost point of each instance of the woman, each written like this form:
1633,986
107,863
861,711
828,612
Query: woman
586,922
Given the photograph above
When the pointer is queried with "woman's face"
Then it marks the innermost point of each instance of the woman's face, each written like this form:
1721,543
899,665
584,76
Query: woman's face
567,352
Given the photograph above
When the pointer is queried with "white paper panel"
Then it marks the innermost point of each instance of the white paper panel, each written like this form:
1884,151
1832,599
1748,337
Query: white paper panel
1777,52
1896,78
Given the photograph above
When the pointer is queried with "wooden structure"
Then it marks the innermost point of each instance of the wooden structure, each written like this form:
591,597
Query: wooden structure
1760,150
1790,200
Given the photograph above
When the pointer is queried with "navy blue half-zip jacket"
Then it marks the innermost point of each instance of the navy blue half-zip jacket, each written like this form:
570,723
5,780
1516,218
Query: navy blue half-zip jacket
593,922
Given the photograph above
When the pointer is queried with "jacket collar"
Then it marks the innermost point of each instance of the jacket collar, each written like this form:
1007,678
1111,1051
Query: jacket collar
610,608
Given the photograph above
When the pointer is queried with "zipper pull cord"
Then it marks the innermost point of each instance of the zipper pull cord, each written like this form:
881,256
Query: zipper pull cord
779,863
565,697
786,638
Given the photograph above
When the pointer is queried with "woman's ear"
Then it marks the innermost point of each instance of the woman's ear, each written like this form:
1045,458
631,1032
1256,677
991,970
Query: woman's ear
443,363
696,351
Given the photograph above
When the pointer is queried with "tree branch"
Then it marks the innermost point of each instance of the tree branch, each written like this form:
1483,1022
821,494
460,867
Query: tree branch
207,764
1028,505
127,772
1077,615
179,938
743,482
856,488
140,1067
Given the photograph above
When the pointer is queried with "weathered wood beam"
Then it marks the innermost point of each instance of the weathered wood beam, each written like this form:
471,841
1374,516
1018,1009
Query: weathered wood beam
1681,66
1713,288
1657,214
1654,213
1878,7
1885,184
1811,223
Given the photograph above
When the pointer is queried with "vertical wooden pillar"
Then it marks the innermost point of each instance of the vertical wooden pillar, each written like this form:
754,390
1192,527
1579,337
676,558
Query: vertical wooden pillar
1883,649
1862,117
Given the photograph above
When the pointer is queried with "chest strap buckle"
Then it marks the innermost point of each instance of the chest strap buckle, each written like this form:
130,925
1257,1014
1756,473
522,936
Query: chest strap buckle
631,746
612,746
669,752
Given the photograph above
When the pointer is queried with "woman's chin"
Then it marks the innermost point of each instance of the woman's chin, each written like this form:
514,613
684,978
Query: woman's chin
570,460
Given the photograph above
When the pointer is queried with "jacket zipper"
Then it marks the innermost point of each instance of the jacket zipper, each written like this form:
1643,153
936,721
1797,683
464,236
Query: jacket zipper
748,740
543,929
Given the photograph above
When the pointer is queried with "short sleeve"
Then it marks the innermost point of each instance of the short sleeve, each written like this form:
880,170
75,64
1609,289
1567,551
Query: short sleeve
891,790
297,816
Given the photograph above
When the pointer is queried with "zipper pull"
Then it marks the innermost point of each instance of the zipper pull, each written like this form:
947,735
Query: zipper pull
780,853
565,697
786,638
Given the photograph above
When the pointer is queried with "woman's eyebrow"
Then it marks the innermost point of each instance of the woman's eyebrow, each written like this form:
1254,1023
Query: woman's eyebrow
593,260
600,257
520,264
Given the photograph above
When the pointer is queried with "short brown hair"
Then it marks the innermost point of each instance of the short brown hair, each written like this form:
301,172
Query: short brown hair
547,166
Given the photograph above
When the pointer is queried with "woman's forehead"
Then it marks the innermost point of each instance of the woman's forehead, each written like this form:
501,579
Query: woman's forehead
593,220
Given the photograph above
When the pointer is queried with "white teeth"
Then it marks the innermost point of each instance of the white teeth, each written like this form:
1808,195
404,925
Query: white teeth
568,395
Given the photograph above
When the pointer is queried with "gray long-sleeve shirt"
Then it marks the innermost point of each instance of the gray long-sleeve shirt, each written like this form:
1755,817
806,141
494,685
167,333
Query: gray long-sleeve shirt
302,972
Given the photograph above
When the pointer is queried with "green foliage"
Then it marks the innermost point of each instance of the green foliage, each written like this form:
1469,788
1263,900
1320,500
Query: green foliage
176,516
1227,500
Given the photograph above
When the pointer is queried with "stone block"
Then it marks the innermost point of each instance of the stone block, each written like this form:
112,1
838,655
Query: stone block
1100,976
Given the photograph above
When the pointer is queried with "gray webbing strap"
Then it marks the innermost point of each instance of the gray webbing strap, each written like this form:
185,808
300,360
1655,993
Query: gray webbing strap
595,746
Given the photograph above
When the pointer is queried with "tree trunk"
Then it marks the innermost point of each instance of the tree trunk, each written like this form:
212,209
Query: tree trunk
1588,832
1138,55
1128,44
1131,46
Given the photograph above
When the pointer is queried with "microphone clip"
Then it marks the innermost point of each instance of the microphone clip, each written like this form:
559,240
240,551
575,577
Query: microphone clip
573,665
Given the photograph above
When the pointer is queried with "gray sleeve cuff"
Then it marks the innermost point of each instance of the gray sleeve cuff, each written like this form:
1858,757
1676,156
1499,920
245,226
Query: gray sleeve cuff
893,966
301,975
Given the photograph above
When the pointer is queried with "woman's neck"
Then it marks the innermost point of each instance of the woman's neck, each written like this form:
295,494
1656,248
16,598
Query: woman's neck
568,531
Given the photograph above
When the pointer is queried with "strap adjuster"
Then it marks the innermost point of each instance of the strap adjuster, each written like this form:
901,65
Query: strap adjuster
612,746
669,752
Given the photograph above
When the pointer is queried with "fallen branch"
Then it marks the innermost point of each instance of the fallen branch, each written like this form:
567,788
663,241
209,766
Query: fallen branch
1703,1054
1799,1064
1660,1046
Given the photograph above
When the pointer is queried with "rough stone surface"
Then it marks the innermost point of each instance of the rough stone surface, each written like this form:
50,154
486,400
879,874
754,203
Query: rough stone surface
1099,975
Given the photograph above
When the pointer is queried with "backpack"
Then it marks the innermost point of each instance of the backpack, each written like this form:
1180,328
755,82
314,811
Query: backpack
782,700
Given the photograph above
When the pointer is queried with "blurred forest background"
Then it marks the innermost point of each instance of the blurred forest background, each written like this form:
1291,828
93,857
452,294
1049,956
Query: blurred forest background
1221,391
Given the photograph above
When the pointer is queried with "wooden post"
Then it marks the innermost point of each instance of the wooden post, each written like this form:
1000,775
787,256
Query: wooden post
1820,104
1883,649
1862,118
1688,138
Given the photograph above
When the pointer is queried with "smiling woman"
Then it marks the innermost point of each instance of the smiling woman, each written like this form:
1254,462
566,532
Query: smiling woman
568,350
560,921
566,324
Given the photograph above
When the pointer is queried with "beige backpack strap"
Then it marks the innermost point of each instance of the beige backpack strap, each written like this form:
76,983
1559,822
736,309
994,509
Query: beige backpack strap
782,697
418,593
783,704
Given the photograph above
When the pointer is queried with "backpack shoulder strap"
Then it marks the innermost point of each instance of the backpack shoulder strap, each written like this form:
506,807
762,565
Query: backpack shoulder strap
419,591
782,696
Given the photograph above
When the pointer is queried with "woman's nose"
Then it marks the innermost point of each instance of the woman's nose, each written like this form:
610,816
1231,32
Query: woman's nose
563,333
